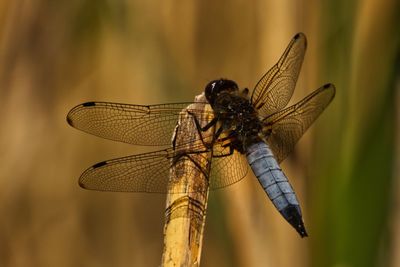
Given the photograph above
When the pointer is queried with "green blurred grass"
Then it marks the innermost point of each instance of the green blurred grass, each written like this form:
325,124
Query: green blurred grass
355,195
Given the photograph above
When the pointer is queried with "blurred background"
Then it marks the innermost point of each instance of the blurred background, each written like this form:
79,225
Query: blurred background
345,170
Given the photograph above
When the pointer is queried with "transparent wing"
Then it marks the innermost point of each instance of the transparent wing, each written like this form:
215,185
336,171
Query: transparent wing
228,170
150,125
137,173
273,92
150,172
287,126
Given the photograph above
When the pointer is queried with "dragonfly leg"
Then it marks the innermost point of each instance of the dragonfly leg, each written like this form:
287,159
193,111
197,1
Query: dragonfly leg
198,126
216,134
188,155
231,135
174,136
205,128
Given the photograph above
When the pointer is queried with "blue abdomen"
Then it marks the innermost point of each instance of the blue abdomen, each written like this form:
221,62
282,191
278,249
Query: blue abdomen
275,184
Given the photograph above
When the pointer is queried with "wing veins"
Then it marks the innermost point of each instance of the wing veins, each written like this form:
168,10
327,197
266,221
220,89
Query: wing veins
285,127
275,88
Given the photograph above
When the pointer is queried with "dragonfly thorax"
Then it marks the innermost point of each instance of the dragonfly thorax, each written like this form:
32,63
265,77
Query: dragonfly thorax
236,115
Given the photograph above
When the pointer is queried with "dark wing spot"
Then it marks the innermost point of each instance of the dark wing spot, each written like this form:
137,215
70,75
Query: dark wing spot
89,104
98,165
298,35
82,185
327,85
69,121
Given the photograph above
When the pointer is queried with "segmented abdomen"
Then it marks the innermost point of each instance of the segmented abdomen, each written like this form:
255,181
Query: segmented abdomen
275,184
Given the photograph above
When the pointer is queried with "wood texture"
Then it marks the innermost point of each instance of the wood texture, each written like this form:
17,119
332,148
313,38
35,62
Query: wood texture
186,212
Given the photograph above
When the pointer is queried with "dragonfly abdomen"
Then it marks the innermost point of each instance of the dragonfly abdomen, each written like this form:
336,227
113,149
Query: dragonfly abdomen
275,184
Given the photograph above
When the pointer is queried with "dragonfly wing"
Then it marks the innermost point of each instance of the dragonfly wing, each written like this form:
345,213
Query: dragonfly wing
284,128
150,125
147,172
150,172
226,170
273,92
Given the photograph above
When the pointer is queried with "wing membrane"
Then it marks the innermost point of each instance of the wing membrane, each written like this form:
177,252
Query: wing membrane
228,170
137,173
273,92
150,125
150,172
288,125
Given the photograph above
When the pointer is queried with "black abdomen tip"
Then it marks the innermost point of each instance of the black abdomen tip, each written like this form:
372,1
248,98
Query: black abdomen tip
292,214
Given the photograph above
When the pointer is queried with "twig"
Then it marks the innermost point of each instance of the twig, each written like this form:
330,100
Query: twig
188,193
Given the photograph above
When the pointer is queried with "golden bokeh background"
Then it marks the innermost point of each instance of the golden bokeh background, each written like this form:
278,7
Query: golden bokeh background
345,170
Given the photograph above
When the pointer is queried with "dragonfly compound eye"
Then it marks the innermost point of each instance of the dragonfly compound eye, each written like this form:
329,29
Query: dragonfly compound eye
214,88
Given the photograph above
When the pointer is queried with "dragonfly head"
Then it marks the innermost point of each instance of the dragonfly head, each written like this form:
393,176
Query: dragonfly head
214,88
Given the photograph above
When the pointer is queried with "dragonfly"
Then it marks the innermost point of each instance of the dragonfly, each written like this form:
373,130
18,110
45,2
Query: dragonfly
257,131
